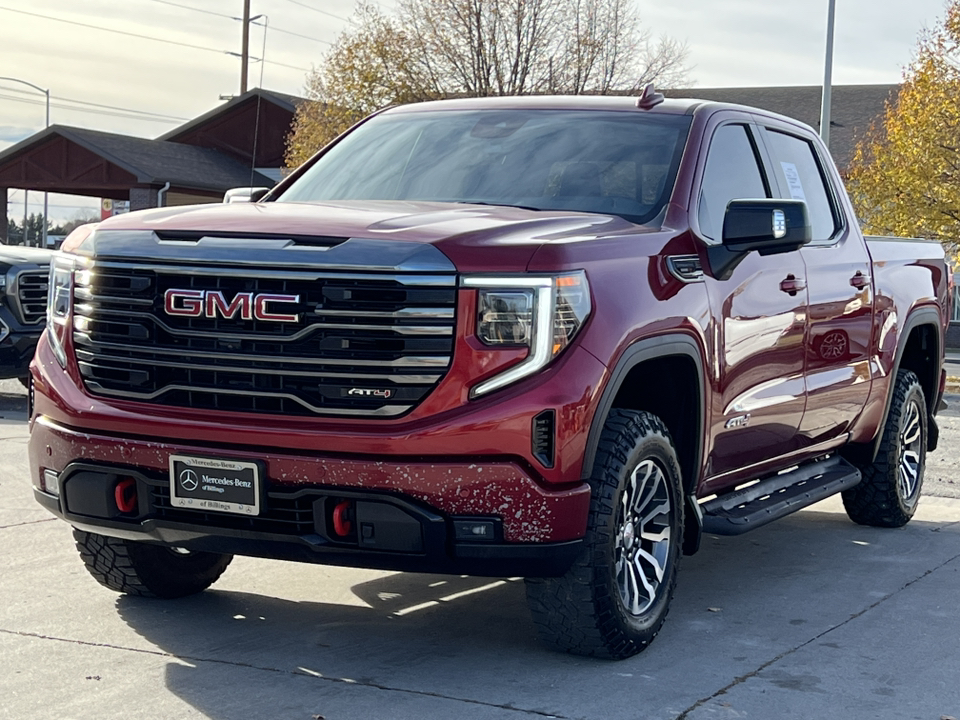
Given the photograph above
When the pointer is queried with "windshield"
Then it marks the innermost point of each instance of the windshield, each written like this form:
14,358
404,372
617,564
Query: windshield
619,163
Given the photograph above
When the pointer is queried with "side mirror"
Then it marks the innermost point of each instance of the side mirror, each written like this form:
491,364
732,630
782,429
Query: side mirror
245,194
767,226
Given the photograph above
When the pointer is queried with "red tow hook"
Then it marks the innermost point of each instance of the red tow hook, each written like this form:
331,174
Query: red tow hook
125,495
341,520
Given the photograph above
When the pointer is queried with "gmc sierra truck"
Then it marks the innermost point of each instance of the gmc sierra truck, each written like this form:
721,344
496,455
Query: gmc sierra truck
24,272
551,337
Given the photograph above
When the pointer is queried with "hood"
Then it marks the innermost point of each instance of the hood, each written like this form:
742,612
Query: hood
476,238
19,255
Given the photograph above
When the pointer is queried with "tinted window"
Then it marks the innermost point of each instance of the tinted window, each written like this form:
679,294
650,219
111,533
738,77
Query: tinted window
732,173
800,178
622,163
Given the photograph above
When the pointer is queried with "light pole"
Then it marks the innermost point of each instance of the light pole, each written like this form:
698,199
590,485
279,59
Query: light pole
46,92
828,77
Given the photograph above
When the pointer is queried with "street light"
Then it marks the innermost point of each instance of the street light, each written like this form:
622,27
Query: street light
46,92
828,77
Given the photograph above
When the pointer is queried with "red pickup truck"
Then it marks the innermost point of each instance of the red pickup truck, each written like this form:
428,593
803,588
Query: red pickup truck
553,337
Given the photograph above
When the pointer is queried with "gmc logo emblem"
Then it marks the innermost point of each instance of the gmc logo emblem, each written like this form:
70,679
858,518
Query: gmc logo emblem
212,303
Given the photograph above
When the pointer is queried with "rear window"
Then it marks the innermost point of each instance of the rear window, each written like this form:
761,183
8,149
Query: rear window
619,163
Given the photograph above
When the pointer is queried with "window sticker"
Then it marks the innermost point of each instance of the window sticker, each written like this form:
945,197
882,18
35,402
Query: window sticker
793,181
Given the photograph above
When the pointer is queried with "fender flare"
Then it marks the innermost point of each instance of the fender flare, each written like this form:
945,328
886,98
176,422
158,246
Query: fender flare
919,317
641,351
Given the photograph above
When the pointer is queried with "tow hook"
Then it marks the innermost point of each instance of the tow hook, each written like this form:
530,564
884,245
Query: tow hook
342,526
125,495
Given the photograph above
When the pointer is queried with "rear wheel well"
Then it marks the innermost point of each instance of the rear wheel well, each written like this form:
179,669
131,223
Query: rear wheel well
920,355
668,387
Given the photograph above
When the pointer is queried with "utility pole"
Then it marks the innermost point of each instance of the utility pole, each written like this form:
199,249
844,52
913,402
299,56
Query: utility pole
828,77
245,46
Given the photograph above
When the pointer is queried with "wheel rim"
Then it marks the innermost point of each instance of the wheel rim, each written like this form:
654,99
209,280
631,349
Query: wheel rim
911,447
642,549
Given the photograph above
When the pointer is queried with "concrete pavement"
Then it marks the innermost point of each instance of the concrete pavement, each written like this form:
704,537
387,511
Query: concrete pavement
811,617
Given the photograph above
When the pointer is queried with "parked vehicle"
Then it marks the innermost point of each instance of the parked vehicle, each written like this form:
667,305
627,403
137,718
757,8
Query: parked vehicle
23,304
556,337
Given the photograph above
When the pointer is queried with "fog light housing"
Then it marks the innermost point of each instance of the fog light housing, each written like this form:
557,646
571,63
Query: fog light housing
50,482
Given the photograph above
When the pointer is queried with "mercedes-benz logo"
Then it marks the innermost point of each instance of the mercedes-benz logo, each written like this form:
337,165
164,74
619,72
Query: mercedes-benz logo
188,480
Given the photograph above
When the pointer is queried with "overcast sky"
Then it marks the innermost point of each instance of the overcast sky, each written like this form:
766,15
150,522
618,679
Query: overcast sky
732,43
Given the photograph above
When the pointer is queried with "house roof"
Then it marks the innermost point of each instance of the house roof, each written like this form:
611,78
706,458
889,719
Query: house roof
854,108
282,100
151,162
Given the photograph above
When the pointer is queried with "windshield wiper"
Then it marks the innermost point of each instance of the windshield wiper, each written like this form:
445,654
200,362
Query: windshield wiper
495,204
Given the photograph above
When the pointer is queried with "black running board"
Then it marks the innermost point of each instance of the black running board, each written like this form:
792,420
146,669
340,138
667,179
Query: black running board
774,497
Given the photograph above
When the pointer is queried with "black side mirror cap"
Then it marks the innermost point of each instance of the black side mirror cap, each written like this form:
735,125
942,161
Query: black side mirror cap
767,226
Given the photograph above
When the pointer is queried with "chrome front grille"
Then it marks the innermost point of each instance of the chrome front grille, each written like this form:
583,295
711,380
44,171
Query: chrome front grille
362,344
32,295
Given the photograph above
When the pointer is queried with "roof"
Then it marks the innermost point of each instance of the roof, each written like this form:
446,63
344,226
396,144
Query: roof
152,162
854,108
287,102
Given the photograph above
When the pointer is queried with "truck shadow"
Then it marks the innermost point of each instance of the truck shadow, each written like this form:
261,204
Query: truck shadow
740,602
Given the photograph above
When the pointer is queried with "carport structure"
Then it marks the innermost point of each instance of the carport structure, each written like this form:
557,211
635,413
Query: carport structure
239,143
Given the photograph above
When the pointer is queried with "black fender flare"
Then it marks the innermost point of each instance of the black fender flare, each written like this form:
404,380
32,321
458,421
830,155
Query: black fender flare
640,351
925,315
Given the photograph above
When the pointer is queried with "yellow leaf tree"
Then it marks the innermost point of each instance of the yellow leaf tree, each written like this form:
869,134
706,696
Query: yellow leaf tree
432,49
905,174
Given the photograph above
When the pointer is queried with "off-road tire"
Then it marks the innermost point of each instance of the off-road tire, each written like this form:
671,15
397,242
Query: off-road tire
582,612
136,568
879,498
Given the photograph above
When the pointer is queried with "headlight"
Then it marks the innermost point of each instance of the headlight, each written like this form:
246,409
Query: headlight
59,305
542,313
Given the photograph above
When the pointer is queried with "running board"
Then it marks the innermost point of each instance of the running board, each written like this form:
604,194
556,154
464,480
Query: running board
774,497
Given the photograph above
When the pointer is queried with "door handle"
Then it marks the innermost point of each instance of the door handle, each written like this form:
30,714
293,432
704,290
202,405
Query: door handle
860,281
792,285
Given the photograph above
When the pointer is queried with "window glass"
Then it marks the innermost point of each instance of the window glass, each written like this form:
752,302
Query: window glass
622,163
799,174
732,173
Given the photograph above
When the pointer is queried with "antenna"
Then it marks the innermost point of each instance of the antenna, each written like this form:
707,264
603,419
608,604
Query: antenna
649,98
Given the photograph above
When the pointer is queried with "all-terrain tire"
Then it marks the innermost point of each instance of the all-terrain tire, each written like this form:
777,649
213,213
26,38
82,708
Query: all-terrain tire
590,610
888,494
146,570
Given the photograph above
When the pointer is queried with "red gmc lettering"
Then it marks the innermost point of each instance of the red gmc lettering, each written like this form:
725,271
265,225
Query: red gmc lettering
212,303
191,304
262,313
241,302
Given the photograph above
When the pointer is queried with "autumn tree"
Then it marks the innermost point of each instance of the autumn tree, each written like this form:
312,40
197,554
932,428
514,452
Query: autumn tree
905,175
432,49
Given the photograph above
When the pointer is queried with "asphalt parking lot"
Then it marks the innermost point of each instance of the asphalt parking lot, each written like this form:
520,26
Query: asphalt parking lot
811,617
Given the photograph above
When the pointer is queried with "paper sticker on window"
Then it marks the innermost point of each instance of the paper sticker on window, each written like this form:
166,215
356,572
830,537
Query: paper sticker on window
793,181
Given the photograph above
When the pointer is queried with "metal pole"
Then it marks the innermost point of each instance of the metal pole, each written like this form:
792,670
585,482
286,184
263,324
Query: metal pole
23,232
245,46
45,216
828,77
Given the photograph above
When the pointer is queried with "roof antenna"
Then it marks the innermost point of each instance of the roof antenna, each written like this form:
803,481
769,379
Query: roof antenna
649,98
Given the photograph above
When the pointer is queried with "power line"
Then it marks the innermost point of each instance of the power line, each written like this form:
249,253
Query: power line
93,111
231,17
136,35
161,116
318,10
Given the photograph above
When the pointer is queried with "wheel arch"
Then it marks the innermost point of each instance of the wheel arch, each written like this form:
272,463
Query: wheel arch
918,349
684,419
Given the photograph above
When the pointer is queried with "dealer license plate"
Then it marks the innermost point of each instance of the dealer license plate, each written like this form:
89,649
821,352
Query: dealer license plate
202,483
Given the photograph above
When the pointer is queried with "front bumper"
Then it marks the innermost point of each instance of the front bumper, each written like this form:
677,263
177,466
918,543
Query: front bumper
538,531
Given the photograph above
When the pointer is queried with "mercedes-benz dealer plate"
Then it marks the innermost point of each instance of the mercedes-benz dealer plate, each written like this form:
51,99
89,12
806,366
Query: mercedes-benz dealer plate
201,483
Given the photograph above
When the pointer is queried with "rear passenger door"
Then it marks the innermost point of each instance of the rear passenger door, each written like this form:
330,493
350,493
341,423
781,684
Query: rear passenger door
838,285
759,319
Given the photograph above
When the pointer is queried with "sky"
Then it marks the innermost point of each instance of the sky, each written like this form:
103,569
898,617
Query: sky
151,86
